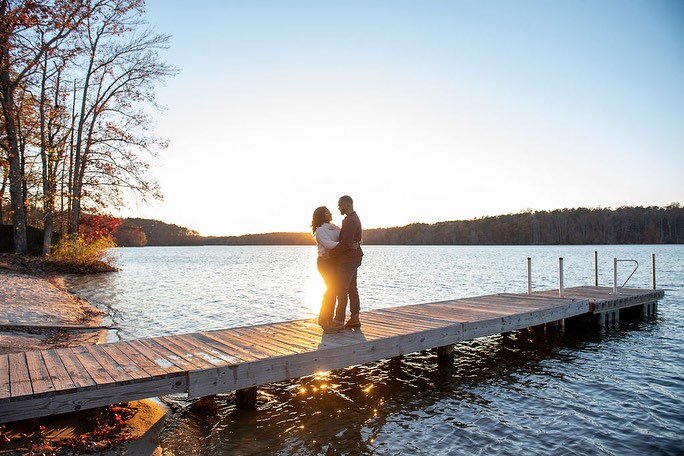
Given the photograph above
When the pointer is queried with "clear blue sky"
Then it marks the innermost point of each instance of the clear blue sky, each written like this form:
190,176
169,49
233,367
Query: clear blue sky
421,110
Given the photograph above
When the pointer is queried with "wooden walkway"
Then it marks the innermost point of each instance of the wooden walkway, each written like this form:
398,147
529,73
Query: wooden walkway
46,382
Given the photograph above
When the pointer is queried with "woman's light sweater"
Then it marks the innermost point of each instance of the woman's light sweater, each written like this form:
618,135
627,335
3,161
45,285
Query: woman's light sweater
326,236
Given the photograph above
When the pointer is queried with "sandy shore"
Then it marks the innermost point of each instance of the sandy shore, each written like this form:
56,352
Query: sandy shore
37,312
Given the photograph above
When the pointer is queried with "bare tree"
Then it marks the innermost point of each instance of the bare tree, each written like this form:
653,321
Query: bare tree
55,130
122,66
28,30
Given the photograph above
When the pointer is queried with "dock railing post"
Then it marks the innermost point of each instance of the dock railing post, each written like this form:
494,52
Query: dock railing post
615,287
561,290
653,275
529,276
595,268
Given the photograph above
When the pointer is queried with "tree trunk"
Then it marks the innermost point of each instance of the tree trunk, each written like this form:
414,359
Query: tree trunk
45,156
8,109
3,186
16,193
47,230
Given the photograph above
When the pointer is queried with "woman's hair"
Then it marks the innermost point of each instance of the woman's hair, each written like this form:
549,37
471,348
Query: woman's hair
320,216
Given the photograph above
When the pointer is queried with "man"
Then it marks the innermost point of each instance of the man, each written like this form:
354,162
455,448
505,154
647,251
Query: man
348,256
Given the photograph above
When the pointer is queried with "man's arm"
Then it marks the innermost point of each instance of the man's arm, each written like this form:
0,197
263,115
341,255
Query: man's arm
345,242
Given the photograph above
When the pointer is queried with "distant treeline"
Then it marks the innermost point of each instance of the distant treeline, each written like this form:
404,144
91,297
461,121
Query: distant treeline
138,232
625,225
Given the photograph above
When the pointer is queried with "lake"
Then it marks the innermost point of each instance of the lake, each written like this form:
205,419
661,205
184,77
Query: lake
585,391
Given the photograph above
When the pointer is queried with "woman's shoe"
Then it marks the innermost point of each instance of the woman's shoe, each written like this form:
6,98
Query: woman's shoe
333,327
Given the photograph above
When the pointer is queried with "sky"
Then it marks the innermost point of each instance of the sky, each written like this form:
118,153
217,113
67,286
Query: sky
422,111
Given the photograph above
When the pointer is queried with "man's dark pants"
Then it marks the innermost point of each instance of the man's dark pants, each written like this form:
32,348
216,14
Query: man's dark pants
346,276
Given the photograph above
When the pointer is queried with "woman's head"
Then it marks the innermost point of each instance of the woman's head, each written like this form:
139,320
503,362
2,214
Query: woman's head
320,216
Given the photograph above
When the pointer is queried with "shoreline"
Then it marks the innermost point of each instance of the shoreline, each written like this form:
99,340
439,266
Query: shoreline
38,313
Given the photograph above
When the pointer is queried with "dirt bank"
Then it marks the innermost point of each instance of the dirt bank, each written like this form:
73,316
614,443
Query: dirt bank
37,312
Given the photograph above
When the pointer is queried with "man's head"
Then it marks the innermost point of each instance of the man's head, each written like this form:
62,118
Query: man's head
346,205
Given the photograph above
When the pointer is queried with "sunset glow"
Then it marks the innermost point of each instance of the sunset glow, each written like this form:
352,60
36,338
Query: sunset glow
415,111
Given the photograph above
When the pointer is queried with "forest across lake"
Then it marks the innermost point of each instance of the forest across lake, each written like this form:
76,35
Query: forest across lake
577,226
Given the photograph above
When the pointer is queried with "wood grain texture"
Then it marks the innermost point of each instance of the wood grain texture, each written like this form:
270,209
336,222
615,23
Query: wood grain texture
20,380
4,379
40,378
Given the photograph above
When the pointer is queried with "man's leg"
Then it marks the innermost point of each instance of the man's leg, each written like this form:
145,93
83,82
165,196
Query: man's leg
354,301
345,273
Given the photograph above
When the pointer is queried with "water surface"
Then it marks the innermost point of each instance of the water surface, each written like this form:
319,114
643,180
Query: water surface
584,391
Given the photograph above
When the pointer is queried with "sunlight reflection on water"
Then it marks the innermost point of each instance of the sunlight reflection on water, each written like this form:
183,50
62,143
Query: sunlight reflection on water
618,391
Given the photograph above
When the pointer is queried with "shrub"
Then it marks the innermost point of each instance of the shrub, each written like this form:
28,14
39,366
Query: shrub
81,254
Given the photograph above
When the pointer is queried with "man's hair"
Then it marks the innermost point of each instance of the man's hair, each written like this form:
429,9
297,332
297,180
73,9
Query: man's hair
347,199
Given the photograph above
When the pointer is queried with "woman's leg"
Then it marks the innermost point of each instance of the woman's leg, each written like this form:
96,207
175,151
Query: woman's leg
327,270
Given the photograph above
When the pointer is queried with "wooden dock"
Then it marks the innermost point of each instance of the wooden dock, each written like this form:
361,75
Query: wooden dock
47,382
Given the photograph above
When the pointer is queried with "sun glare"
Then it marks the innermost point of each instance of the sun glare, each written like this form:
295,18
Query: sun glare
314,286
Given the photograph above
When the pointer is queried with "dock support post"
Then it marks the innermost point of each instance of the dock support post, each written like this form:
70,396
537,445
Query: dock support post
595,268
561,290
245,399
616,317
538,329
529,275
601,318
649,309
555,326
615,287
653,276
445,356
395,364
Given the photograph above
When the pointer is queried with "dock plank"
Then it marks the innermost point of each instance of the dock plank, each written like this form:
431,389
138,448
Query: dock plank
80,377
145,363
218,337
40,378
4,379
184,356
205,348
158,360
20,380
92,366
262,341
60,377
115,371
136,372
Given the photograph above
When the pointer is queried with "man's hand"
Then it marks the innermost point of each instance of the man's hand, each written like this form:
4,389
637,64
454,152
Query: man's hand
355,245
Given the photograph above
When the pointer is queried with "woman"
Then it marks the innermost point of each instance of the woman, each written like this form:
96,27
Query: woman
326,235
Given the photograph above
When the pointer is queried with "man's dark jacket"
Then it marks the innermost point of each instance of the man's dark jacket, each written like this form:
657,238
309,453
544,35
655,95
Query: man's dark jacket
350,233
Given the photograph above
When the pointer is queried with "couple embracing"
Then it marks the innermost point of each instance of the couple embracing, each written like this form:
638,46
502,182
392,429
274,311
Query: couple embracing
339,257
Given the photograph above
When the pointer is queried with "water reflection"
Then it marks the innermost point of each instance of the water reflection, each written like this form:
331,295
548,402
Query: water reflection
618,391
349,411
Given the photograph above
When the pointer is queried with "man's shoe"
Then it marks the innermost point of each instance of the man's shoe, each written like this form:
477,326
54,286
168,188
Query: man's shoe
354,322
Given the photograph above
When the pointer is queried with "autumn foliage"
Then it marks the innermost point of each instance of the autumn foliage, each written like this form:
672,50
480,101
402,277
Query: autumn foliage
88,251
100,226
77,81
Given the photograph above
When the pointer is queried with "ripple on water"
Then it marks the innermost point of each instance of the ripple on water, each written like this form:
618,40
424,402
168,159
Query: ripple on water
582,392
